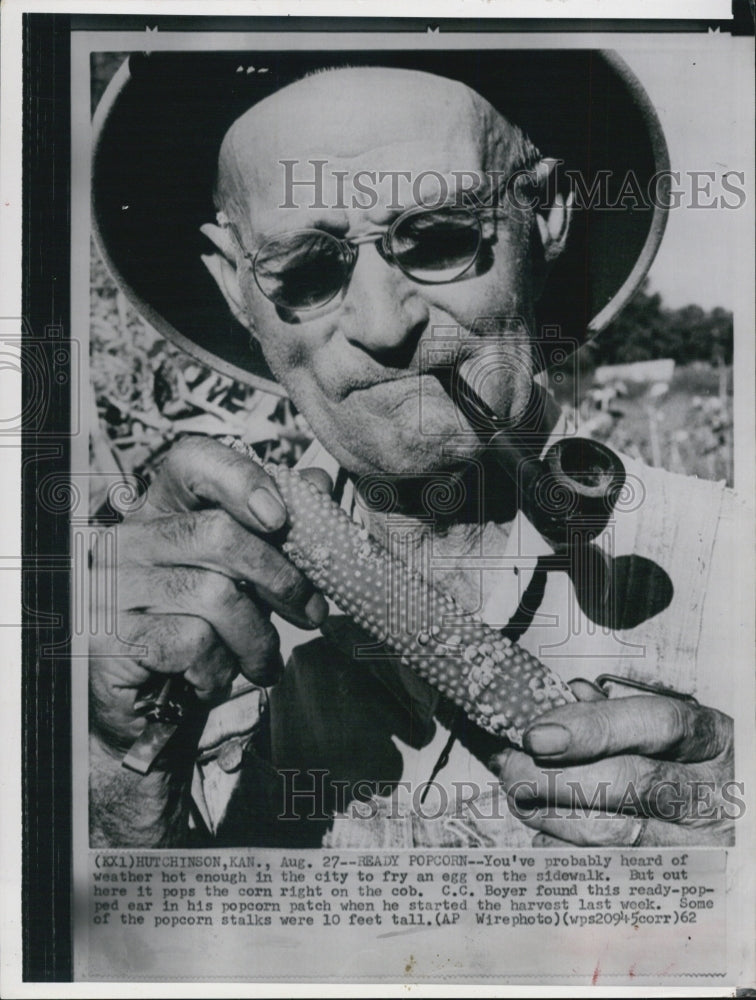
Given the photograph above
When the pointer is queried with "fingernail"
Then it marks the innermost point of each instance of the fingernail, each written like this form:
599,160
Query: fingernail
267,674
316,609
267,508
548,739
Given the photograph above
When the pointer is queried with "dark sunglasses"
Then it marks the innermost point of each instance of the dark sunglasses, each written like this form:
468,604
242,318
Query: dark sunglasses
306,268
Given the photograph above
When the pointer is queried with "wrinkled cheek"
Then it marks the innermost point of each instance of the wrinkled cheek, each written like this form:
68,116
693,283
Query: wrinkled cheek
290,363
286,355
284,344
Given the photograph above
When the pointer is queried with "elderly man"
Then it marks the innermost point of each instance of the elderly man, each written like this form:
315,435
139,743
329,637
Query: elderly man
343,290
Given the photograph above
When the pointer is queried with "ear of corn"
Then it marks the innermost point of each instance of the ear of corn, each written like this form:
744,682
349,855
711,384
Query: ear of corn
500,686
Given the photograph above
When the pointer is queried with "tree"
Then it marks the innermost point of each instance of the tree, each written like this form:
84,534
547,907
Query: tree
646,330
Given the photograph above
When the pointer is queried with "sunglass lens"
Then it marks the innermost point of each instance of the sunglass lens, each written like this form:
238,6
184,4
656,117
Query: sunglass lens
301,270
436,246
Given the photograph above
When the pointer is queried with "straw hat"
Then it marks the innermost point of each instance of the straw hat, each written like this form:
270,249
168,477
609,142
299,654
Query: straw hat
159,126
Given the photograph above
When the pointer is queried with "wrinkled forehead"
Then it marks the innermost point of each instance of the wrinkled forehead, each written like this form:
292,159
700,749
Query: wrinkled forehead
354,120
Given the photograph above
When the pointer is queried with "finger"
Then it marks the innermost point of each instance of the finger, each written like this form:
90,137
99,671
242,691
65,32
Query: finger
113,684
630,783
646,724
319,478
238,622
145,644
199,472
592,829
315,609
212,540
169,643
211,676
586,690
544,840
599,830
179,642
123,670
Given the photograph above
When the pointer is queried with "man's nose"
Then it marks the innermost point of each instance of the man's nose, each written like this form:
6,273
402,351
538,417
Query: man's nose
383,311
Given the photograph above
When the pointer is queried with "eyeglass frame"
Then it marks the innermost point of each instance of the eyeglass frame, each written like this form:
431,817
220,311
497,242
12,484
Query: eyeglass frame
347,246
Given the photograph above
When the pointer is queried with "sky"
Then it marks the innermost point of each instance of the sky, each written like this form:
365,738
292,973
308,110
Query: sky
704,98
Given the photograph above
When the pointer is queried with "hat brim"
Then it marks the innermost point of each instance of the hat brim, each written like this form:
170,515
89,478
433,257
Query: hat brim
160,123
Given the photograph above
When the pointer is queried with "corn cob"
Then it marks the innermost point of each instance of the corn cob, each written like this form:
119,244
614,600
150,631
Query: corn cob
499,685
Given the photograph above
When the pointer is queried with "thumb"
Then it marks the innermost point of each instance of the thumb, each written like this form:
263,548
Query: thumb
319,478
651,725
199,473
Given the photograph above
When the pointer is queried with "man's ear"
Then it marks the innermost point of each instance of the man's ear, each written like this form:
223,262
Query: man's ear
554,219
222,266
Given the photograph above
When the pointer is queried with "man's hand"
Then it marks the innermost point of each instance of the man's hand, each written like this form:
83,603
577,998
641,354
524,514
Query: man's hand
179,605
197,575
646,771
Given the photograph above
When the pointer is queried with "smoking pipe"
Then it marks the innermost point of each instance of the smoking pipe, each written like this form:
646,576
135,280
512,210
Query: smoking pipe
570,493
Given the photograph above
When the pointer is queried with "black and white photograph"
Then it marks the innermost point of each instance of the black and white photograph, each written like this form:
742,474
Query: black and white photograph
405,377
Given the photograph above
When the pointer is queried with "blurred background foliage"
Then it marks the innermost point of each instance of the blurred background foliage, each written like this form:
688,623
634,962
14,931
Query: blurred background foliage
618,389
645,330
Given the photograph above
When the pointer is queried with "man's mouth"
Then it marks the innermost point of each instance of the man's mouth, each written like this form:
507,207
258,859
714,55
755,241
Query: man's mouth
361,385
488,389
443,374
430,396
446,381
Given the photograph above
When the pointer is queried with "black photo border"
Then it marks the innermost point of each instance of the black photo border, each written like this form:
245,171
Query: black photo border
47,901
